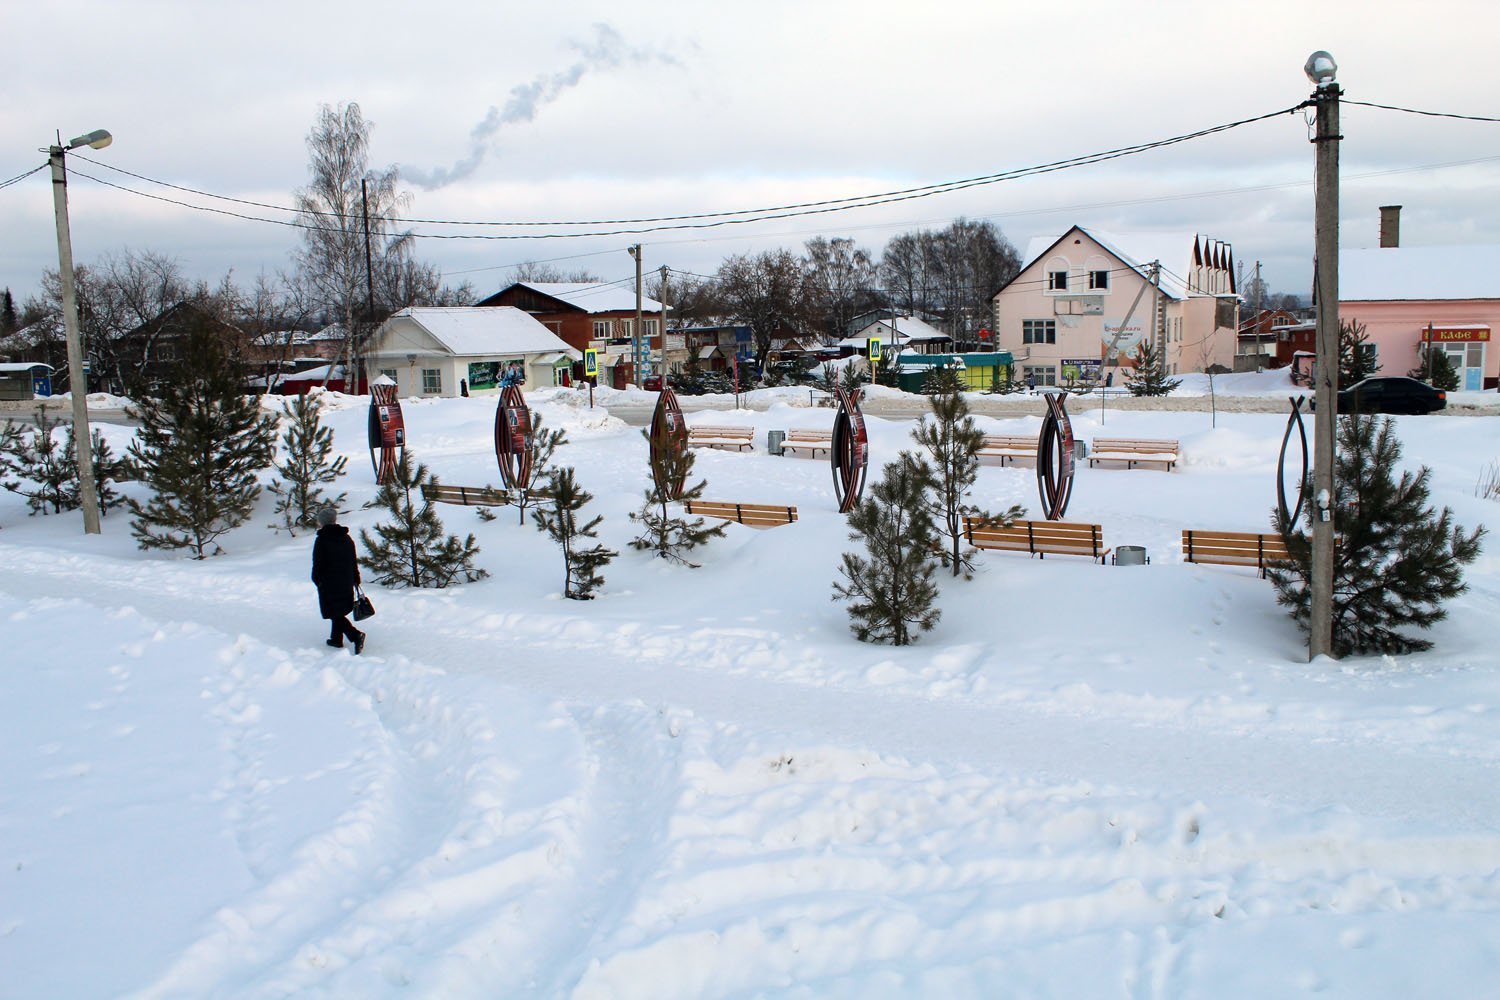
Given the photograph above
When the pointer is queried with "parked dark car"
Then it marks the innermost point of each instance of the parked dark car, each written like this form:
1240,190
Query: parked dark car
1391,394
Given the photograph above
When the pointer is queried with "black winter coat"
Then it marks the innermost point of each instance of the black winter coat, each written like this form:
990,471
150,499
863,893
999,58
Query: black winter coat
335,570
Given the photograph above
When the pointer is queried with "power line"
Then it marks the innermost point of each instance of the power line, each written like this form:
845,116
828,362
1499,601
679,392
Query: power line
21,177
755,215
1428,114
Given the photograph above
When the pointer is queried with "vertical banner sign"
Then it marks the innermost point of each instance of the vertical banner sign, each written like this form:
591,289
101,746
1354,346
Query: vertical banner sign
591,363
850,454
668,438
1054,457
387,431
513,438
1290,515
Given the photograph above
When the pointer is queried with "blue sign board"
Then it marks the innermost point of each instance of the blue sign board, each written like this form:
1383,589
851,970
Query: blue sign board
41,385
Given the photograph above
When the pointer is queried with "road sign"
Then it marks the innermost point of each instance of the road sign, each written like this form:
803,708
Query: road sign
590,362
872,347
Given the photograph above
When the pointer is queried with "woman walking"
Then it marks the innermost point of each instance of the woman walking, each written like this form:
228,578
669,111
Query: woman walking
335,572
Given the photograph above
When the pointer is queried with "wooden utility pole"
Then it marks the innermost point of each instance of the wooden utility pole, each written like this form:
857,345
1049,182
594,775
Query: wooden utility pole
635,251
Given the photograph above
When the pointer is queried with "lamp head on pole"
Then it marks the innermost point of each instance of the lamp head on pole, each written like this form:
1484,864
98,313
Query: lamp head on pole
97,139
1321,69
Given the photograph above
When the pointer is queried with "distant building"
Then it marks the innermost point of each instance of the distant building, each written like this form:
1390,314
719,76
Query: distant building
598,316
1270,338
1083,301
906,333
451,351
1407,296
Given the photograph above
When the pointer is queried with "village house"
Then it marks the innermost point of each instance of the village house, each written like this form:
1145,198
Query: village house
1272,338
461,350
1405,297
1083,301
597,316
904,333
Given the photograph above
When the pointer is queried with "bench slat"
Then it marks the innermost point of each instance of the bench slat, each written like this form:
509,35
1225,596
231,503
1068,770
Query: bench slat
468,496
1233,548
1040,538
754,515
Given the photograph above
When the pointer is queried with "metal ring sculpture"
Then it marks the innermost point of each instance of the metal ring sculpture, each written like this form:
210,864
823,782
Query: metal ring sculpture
387,431
1054,458
850,452
1294,419
668,436
513,438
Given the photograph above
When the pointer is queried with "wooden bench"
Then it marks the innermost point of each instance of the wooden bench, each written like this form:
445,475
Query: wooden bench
1133,451
808,440
1039,538
755,515
1233,548
468,496
1008,447
722,437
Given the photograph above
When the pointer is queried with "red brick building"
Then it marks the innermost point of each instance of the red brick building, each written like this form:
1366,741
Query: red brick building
597,316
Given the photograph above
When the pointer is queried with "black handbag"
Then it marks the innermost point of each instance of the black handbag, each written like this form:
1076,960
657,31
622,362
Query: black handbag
362,607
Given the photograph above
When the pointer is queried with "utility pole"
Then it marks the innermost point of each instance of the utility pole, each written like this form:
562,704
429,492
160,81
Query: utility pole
1322,70
78,388
635,251
664,271
1259,353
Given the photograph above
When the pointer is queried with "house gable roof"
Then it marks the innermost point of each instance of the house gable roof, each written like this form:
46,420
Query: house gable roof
1419,273
586,297
468,331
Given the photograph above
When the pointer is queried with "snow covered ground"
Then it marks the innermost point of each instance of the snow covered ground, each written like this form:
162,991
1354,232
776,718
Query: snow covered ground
1087,781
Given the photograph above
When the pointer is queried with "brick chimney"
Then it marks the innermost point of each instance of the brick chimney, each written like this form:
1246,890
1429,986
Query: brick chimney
1390,225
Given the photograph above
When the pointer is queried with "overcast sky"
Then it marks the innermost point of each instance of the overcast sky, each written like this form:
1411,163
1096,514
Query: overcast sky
592,110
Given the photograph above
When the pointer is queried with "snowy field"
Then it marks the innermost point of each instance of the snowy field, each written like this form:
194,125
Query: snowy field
1088,781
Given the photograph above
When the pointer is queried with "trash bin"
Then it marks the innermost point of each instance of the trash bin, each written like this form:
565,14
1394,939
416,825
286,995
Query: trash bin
1131,555
1080,449
773,442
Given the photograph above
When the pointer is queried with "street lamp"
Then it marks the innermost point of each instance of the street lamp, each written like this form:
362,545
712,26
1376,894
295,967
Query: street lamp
77,382
1322,71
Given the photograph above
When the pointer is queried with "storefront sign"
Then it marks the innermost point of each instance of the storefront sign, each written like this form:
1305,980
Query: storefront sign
1438,335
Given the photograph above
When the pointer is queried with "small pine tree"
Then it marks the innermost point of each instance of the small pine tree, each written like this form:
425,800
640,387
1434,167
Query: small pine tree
1356,360
542,449
854,377
37,467
941,380
305,468
108,470
1149,376
411,550
8,321
670,537
891,590
953,441
1435,367
558,517
1396,560
201,445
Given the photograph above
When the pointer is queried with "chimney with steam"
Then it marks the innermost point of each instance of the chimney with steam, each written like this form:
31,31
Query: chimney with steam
1390,225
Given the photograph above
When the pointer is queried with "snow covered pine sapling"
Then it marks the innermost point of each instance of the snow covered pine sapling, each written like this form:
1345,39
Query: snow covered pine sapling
1396,560
411,550
558,517
953,440
305,468
541,446
201,446
1149,376
891,590
671,537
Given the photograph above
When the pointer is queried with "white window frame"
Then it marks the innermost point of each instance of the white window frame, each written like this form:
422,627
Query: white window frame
432,381
1099,281
603,329
1043,374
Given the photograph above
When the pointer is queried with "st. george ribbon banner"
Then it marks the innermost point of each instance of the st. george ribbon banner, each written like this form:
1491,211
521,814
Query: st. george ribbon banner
1054,457
387,431
513,438
668,438
850,454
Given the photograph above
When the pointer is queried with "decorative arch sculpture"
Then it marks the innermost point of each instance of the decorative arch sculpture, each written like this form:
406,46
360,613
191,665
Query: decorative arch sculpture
1054,458
387,430
513,438
668,437
1294,419
849,455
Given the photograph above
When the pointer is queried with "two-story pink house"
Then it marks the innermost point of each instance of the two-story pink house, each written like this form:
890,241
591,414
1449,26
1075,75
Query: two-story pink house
1083,301
1407,296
